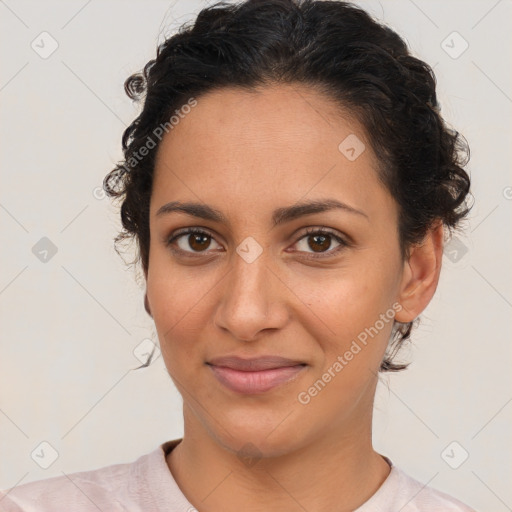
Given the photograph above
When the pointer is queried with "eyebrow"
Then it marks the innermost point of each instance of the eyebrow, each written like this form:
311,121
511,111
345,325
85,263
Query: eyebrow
279,216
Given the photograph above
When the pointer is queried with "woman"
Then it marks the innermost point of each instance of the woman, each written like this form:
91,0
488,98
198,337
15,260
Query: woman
289,183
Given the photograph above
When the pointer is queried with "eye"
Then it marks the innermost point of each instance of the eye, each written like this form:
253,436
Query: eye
196,239
316,239
319,241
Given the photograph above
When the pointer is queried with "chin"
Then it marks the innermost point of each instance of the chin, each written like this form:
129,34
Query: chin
249,435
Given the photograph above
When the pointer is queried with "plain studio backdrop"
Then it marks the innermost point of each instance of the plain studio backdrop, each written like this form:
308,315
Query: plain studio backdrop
73,324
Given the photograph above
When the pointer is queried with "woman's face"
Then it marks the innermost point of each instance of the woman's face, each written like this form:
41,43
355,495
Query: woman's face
249,287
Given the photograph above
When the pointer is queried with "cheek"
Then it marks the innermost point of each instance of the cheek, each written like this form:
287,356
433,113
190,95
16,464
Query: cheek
180,306
344,300
342,314
344,320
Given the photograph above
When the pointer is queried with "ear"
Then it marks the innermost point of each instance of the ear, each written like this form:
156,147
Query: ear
146,301
421,275
146,305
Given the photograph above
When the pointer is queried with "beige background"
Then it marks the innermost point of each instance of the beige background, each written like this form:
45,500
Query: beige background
69,325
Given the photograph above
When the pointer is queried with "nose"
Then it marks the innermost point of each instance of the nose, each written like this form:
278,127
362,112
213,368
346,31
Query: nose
252,299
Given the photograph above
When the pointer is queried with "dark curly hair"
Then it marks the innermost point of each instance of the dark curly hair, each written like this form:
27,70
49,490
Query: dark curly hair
334,47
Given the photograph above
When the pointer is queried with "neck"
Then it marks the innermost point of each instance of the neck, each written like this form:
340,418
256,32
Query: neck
334,472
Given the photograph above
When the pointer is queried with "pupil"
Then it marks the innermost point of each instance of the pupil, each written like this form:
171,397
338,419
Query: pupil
322,238
201,239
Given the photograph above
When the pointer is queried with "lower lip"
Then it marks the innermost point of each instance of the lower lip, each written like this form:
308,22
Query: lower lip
255,382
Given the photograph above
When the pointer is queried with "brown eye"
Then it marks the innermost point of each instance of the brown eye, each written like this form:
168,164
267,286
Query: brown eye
198,242
192,241
320,241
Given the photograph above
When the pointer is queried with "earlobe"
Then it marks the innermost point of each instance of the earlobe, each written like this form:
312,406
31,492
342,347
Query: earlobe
146,305
421,275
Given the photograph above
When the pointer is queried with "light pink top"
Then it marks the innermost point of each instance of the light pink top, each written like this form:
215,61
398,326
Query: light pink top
147,485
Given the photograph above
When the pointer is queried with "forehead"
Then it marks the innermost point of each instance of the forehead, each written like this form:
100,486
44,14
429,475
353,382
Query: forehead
273,145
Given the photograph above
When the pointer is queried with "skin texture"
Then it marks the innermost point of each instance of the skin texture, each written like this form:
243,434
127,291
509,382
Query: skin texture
246,154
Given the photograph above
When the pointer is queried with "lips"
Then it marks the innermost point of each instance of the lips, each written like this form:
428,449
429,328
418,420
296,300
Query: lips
254,364
253,376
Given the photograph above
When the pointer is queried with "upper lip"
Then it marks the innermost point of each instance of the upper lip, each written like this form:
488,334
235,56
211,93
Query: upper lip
254,364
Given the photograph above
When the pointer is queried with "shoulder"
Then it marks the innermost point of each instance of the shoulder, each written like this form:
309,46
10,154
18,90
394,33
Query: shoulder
421,497
402,492
106,488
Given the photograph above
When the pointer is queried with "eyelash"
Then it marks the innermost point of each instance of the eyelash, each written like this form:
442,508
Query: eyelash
310,231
